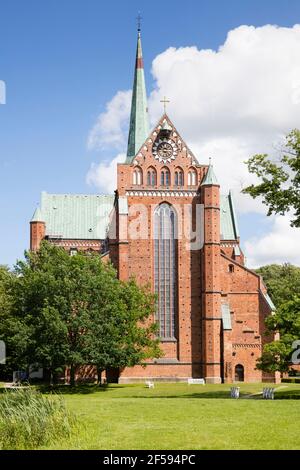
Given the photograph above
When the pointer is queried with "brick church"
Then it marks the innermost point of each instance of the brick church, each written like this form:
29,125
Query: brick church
169,225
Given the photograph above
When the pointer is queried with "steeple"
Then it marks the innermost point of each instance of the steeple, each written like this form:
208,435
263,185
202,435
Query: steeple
139,123
210,177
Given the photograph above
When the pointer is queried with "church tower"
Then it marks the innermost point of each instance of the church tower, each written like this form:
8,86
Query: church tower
156,209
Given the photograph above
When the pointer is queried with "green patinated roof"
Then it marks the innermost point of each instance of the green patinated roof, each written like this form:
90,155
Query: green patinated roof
139,120
228,221
226,317
269,301
210,177
76,216
37,216
80,216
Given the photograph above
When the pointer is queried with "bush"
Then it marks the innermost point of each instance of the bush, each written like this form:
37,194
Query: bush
29,419
291,380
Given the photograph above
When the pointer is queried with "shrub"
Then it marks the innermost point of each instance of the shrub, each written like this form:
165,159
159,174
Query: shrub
29,419
291,380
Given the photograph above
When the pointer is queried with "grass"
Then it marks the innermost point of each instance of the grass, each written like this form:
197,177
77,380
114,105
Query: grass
178,416
29,419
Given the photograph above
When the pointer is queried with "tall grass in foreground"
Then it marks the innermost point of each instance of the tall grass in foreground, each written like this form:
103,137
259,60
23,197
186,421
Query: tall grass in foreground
29,419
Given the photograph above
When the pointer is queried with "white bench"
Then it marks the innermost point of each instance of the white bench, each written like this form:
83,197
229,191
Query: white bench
268,393
149,384
192,381
235,392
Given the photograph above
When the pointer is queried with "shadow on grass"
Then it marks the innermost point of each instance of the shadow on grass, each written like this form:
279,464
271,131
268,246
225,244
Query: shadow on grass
136,392
288,395
80,389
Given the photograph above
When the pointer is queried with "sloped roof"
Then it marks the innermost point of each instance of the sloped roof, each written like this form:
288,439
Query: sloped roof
76,216
269,301
86,216
228,220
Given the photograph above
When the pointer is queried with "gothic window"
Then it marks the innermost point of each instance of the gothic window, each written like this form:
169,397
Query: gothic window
231,268
192,177
165,178
165,269
137,176
178,177
151,177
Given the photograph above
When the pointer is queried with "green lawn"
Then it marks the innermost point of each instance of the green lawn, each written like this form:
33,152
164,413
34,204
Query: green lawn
178,416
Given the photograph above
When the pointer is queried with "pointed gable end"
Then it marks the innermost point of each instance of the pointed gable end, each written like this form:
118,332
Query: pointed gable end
165,146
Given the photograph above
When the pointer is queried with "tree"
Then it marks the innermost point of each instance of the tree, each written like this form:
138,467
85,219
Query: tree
280,182
123,335
73,307
282,281
13,330
277,355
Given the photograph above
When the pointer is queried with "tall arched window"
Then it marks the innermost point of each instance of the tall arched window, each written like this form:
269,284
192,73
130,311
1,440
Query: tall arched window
192,177
151,177
165,178
165,269
137,176
178,177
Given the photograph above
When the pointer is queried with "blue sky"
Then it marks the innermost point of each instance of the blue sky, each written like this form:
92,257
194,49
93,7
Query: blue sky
63,60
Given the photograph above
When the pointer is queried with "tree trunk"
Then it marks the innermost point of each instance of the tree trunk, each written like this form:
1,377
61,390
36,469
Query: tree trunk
99,376
47,373
72,375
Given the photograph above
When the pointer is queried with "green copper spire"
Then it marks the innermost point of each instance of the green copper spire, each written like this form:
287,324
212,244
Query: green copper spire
139,123
210,177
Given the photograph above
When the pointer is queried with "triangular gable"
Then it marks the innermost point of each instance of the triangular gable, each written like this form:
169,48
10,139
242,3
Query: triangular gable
165,130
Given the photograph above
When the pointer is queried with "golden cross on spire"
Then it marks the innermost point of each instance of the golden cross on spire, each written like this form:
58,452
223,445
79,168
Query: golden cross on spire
165,101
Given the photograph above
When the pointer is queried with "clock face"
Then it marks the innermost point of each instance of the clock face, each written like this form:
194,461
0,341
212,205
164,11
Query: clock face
164,150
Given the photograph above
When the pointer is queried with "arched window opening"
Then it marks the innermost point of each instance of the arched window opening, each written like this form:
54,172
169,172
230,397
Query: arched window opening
137,176
231,268
239,373
151,177
165,269
192,177
178,177
165,178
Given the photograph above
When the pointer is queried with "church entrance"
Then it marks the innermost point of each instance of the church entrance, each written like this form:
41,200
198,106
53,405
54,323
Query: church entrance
239,373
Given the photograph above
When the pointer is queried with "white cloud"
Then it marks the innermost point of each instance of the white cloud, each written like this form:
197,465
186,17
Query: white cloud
104,175
280,244
232,103
110,127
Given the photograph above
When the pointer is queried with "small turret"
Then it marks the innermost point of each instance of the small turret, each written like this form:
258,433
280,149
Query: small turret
37,230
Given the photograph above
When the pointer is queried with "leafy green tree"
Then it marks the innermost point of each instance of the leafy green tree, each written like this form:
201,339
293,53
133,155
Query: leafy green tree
13,330
277,355
280,181
124,334
73,307
282,281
